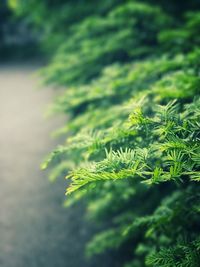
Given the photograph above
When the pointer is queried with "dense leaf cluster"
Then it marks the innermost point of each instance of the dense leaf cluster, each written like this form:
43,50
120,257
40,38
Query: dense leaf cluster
131,71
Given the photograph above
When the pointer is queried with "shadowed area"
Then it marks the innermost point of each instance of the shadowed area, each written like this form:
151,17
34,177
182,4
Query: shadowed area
34,228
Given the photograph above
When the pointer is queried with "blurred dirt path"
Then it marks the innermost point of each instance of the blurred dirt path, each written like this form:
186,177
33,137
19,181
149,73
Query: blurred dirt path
35,231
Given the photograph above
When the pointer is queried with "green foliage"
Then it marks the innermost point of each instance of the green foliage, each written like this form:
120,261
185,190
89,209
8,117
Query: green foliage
180,255
99,41
131,72
174,138
185,37
54,18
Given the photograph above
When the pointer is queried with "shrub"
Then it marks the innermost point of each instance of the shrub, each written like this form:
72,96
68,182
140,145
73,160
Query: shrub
132,151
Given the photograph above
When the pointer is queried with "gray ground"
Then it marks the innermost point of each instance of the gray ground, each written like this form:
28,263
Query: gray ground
35,231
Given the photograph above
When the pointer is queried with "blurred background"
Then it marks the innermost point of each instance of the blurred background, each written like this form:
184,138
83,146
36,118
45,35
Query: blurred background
35,228
98,70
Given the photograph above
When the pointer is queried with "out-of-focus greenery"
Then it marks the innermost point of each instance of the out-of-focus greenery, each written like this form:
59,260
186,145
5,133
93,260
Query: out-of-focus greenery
17,40
131,72
118,37
53,18
5,16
